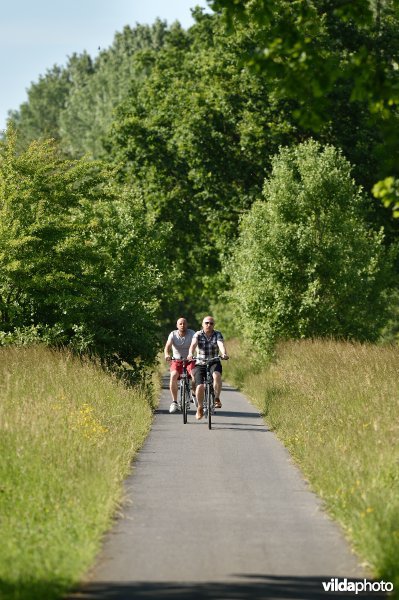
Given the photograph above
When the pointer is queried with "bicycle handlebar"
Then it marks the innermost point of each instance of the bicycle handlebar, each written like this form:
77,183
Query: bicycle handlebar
207,361
182,360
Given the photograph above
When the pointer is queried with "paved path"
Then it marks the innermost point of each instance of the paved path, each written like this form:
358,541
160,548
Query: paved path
219,514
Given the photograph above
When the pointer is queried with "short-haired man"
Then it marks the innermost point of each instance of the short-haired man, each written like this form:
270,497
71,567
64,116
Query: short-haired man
179,341
209,343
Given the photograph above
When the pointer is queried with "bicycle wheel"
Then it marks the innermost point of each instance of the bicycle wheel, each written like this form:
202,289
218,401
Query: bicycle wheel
209,404
211,400
187,398
183,399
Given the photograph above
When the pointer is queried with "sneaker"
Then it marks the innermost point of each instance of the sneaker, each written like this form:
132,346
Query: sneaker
174,407
218,404
200,413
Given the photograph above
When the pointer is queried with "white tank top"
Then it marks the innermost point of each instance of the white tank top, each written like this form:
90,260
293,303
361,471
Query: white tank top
181,345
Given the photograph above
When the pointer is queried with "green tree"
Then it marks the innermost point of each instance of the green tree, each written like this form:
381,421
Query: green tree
75,103
38,117
196,135
198,132
79,261
88,115
306,264
311,46
319,47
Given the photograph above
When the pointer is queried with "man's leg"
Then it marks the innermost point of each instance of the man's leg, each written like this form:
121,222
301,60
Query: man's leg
174,376
217,386
191,372
199,392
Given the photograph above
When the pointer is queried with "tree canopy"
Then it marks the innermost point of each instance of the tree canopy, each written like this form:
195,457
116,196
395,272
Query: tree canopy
188,126
306,264
318,47
80,263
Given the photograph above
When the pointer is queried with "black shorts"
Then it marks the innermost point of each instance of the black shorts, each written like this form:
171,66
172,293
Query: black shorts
200,372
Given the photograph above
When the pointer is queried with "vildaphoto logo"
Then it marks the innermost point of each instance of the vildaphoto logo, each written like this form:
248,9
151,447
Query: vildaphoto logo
346,585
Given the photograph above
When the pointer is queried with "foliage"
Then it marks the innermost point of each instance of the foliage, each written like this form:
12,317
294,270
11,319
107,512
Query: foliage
191,119
88,115
78,261
195,135
313,49
388,191
305,263
311,46
39,116
75,103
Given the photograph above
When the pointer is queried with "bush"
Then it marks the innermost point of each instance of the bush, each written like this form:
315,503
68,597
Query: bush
305,263
80,262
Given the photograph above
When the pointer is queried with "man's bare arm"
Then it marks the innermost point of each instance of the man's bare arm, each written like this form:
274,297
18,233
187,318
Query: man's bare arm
222,349
191,351
168,348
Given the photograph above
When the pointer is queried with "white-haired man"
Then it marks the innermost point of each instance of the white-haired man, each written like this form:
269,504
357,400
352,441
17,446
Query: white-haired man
209,343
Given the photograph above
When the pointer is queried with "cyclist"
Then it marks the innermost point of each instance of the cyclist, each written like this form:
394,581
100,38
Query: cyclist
179,342
209,343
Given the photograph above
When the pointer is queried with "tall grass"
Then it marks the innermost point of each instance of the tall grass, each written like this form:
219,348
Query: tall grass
68,433
335,406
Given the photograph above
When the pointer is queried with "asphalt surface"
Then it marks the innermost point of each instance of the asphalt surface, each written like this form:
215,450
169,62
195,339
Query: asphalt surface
220,514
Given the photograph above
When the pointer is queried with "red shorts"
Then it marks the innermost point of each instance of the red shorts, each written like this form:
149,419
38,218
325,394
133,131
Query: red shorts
177,365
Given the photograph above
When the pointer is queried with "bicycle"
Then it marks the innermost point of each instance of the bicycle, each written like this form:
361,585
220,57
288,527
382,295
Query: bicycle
209,392
184,397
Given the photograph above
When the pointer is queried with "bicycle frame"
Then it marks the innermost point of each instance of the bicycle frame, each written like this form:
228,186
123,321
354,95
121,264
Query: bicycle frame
209,392
184,397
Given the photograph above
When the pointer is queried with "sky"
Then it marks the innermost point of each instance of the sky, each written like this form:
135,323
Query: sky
36,34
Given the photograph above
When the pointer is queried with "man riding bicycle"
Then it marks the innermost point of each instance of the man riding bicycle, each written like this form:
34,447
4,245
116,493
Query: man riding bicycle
209,343
179,342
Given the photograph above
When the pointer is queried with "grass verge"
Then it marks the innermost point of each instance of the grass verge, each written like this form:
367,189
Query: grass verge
335,407
68,433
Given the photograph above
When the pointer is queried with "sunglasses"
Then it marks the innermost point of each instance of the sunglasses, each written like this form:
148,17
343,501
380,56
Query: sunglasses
209,322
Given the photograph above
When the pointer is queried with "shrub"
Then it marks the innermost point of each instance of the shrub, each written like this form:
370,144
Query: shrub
305,263
80,262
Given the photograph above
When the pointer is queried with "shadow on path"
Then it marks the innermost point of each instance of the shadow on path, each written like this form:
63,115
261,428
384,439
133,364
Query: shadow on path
226,387
218,423
222,425
218,413
261,588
